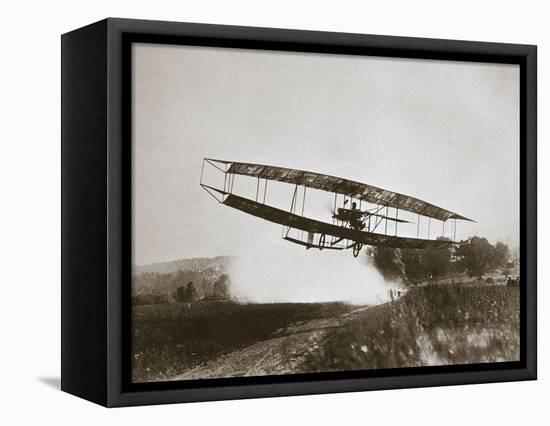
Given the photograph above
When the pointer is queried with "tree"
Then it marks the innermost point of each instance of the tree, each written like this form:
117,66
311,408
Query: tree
186,293
422,264
387,260
413,263
191,292
437,261
474,256
221,287
500,255
181,294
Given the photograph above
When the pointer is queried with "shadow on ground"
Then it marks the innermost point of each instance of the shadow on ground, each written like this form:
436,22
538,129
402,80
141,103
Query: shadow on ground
53,382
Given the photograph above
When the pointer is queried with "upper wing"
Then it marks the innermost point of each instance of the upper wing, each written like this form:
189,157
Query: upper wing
292,220
357,190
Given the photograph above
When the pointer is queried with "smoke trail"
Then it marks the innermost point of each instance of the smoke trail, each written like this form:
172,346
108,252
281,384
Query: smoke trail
282,272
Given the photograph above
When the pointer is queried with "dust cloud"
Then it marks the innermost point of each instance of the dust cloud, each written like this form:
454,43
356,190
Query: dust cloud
283,272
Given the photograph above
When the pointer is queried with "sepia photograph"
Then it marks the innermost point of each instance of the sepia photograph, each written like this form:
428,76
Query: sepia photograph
298,213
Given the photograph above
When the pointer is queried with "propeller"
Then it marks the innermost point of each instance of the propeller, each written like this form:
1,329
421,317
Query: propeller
329,206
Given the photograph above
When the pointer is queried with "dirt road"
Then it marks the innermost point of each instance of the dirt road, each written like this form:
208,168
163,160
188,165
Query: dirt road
283,353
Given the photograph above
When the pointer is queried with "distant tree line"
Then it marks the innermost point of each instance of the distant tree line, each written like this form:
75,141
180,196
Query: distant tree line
474,256
189,293
182,286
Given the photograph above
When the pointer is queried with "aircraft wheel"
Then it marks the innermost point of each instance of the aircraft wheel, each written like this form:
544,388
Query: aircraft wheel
357,249
322,239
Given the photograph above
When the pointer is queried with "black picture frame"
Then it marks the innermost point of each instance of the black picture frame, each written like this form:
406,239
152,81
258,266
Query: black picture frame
96,209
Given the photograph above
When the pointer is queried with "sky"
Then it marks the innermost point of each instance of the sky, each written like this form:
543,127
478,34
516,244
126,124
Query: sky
445,132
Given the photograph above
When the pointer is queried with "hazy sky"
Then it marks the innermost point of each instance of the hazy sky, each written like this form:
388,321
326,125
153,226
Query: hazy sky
446,132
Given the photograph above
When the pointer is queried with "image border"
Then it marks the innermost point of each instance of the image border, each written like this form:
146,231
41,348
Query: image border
122,33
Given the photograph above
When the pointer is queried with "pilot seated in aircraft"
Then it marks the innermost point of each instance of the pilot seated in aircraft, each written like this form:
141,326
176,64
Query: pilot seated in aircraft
352,216
355,221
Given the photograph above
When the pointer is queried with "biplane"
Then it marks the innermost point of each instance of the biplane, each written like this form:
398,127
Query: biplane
360,213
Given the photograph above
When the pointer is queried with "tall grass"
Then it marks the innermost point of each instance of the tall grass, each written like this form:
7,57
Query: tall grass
432,325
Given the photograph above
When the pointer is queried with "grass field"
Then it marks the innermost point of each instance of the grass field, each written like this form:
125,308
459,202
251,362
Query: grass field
436,324
170,339
431,325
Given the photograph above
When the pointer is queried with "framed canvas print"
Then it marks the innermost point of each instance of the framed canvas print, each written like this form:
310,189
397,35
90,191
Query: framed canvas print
251,212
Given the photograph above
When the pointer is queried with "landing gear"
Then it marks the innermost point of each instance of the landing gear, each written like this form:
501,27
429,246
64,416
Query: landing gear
322,239
357,249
